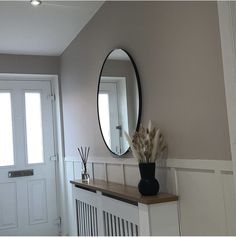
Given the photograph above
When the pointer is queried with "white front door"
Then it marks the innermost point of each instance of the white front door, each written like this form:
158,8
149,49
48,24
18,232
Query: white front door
28,204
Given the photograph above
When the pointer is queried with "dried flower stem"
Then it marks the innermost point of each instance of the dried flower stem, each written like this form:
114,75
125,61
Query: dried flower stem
147,145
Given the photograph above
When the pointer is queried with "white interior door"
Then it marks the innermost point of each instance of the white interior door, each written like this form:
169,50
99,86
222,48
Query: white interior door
113,139
115,88
28,204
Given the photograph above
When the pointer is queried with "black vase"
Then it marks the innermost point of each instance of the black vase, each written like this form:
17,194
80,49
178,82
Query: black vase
148,185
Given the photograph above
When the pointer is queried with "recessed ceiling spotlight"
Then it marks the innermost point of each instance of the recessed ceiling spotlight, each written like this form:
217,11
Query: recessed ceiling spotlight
35,3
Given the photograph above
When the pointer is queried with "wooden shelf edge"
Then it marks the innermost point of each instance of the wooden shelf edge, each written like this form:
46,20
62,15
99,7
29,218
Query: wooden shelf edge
124,192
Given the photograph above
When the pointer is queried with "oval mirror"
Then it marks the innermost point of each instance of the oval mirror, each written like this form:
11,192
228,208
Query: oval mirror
118,100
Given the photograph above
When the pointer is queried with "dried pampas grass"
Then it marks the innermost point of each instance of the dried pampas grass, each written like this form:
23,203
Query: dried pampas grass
147,144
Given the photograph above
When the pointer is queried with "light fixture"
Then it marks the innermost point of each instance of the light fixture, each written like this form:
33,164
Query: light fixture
35,3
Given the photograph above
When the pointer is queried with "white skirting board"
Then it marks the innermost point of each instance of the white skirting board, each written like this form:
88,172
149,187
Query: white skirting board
207,204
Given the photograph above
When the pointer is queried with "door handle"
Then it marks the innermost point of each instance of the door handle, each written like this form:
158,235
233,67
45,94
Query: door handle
119,127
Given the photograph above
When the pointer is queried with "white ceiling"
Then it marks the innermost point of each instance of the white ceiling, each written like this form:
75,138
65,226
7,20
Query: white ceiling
44,30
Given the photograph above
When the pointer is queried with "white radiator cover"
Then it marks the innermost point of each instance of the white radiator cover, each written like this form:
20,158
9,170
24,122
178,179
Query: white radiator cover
96,214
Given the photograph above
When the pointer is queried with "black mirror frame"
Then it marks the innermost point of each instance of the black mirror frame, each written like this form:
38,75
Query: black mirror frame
139,93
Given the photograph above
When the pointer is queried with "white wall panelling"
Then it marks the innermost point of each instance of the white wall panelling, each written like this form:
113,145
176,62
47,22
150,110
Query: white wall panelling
99,171
202,212
69,171
229,197
114,173
131,175
207,204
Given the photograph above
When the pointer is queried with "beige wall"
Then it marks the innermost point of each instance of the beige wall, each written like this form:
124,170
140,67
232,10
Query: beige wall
29,64
176,47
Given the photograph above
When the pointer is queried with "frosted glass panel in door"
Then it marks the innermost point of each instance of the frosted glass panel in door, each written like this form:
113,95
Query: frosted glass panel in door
34,127
104,115
6,133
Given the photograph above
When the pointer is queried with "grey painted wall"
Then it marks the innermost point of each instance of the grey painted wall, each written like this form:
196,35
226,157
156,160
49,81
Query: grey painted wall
176,46
29,64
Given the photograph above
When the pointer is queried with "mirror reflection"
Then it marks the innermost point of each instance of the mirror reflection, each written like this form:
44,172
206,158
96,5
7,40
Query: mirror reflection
118,100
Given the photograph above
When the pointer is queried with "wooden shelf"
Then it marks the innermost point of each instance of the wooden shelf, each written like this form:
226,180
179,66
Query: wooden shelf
124,192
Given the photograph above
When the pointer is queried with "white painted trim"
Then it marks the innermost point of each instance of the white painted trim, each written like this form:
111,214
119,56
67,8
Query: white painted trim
144,220
26,77
210,165
102,160
213,165
227,26
60,152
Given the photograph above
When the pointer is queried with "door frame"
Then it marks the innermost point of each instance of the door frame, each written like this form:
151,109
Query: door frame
227,27
58,135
